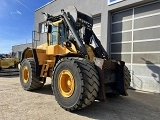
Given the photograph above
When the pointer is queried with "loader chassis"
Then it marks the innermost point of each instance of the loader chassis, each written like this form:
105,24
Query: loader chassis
80,73
9,66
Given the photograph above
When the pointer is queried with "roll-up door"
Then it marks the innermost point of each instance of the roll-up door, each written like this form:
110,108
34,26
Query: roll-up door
135,39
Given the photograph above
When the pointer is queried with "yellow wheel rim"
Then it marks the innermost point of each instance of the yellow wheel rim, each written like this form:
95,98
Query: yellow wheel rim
25,74
66,83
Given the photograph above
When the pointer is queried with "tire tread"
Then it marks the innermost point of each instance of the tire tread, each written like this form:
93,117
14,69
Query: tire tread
34,80
90,79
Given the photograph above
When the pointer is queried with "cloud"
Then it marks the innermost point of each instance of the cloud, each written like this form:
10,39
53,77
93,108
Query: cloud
24,5
4,27
16,12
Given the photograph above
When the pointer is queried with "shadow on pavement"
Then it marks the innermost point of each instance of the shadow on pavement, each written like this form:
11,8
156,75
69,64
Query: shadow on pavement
45,90
136,106
123,108
8,76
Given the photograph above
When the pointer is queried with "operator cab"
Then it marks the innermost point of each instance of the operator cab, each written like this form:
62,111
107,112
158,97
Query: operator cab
56,33
57,38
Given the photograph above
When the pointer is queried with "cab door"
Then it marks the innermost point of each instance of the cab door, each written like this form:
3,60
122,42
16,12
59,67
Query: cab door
56,37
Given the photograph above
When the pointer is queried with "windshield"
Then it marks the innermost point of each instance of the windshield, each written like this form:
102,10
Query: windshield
62,34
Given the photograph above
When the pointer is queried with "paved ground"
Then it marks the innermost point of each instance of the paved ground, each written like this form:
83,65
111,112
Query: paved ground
17,104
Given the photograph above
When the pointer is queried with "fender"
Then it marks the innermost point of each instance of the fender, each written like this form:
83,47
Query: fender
59,56
31,53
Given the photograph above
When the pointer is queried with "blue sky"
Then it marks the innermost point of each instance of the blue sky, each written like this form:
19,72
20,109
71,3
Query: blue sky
17,22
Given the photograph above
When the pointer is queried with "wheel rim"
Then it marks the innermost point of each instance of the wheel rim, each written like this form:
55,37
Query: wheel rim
66,83
25,74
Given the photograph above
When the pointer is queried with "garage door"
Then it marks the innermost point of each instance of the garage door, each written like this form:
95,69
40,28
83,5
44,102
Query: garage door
135,39
97,26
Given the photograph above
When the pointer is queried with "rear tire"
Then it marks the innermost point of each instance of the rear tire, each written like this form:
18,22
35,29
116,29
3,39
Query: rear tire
86,83
28,78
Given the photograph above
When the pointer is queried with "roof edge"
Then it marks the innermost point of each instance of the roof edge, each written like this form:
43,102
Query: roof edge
44,5
22,44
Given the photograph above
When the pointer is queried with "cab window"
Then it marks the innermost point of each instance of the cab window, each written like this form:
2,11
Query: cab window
62,34
54,35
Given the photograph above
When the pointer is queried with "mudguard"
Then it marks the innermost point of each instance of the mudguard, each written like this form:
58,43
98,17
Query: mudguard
31,53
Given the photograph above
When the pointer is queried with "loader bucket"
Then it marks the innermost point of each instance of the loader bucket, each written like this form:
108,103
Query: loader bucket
112,77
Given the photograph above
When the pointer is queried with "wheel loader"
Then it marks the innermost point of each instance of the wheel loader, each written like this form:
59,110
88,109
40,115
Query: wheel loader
8,66
80,72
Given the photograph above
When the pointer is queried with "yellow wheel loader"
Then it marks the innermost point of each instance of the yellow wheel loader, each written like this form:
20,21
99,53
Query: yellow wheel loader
8,66
80,73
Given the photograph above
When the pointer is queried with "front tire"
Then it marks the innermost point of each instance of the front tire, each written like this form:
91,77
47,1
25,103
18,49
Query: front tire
75,83
28,78
127,78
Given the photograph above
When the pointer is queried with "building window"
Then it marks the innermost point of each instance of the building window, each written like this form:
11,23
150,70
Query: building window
113,1
43,28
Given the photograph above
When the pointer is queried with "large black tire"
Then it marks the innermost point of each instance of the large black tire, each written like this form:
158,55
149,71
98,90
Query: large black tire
33,82
127,78
86,83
